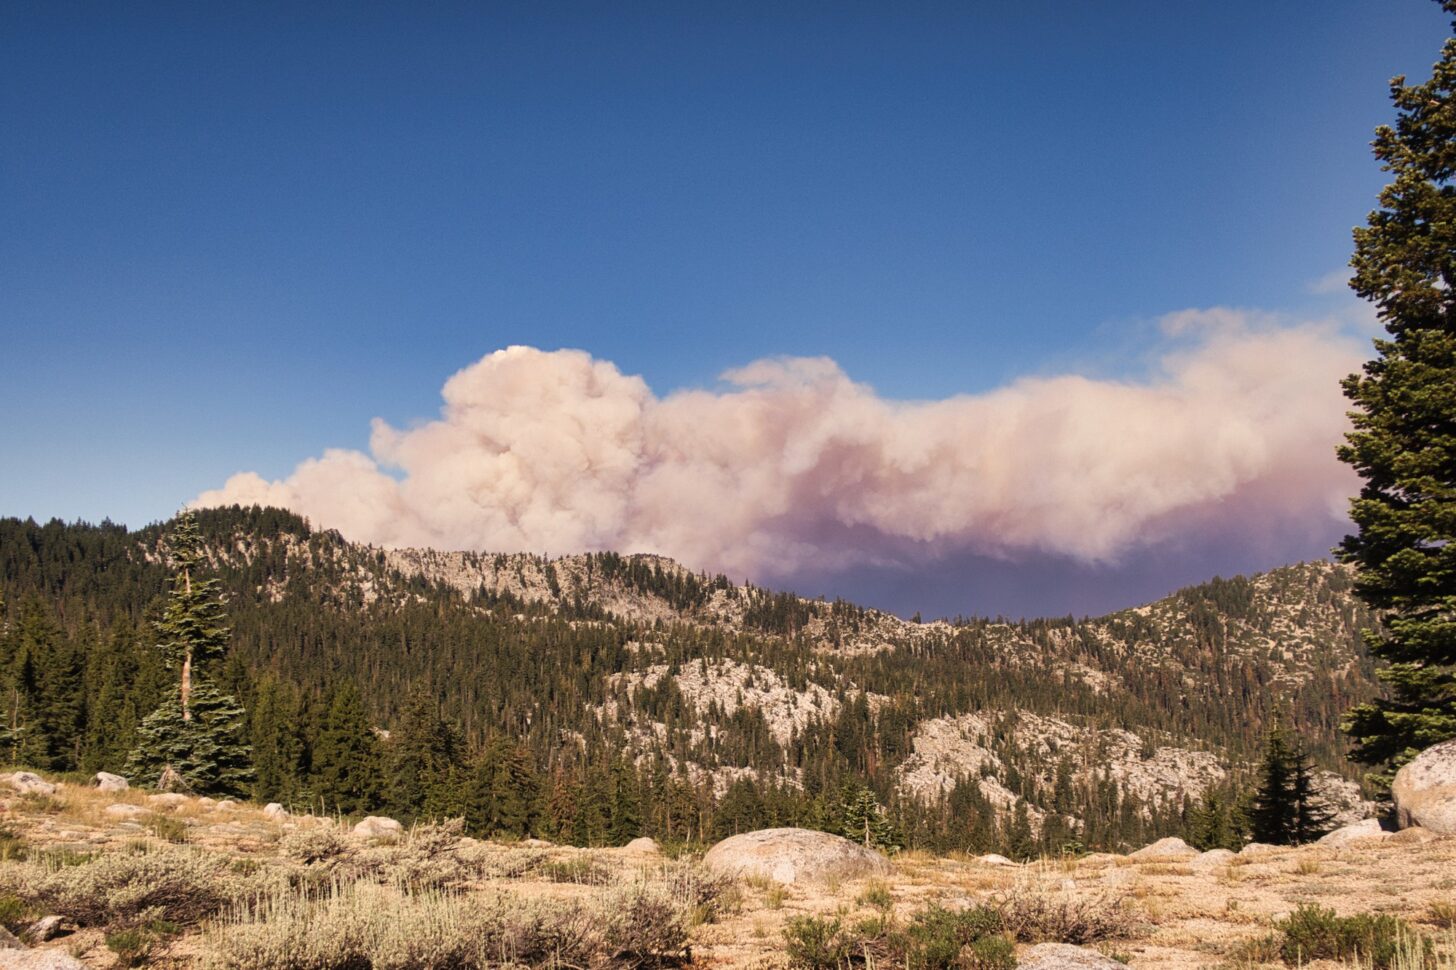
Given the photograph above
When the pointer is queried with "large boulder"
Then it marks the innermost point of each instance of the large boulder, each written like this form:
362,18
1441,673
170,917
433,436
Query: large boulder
1170,848
1366,830
794,856
1425,790
29,783
1064,956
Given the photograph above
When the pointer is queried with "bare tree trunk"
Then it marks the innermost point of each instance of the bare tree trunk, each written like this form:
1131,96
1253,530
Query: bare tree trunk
187,686
187,660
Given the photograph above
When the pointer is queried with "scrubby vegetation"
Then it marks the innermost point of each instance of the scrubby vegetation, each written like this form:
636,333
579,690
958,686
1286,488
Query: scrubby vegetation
980,937
1378,941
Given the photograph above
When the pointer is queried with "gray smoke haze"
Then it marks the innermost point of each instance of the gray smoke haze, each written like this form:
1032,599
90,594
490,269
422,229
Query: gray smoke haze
792,468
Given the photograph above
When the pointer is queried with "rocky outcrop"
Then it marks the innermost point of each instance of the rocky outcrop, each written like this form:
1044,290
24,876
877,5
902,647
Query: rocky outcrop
1169,848
106,781
1363,831
1425,790
1063,956
791,856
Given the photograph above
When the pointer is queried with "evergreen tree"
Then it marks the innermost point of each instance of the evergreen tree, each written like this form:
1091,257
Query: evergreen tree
1404,438
347,770
862,819
192,628
280,748
1286,809
421,753
506,795
1216,823
195,740
206,753
1313,816
1271,817
1020,842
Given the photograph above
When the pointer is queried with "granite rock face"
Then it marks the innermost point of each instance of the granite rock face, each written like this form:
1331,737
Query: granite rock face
1425,790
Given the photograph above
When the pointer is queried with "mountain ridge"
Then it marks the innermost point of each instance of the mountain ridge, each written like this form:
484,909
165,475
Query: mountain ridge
719,685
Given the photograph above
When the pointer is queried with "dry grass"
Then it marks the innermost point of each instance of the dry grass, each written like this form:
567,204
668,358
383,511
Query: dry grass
252,878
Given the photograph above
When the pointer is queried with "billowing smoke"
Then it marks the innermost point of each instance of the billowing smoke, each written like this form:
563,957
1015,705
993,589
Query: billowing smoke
791,465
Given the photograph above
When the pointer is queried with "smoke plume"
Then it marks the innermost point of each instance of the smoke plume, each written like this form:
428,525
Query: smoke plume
790,465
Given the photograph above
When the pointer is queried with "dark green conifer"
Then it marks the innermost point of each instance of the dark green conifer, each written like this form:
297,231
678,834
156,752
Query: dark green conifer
1404,438
347,769
205,753
863,819
196,739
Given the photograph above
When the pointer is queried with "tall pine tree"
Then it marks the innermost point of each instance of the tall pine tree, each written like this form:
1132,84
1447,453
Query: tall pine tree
196,740
1404,438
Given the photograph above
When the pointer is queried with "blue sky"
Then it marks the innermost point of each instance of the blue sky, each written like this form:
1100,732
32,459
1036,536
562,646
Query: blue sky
230,235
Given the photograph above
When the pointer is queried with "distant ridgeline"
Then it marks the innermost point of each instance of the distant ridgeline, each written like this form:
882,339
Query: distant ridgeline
593,698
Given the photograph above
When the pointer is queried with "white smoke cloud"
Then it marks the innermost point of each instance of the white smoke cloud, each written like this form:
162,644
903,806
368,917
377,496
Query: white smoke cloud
792,464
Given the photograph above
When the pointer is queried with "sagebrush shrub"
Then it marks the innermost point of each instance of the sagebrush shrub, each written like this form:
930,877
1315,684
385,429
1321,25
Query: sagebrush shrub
1379,940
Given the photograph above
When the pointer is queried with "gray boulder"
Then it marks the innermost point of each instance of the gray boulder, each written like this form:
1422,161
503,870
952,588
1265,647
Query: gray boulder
1064,956
106,781
29,783
47,928
1425,790
1366,830
791,856
378,827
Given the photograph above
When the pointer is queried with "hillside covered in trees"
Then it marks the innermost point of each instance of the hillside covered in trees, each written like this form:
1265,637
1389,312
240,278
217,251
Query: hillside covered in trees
594,698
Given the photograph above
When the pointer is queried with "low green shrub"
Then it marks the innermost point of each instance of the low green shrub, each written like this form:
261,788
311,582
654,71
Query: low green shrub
816,943
934,939
1378,940
15,913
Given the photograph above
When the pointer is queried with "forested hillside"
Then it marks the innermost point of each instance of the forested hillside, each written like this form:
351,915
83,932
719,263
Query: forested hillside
594,698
